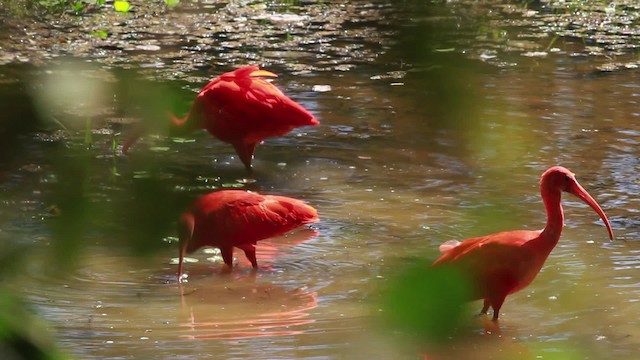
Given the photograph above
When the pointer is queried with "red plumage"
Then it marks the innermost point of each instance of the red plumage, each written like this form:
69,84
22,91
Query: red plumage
501,264
241,108
236,218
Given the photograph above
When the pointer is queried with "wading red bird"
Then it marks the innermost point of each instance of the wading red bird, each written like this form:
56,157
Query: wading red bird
241,108
501,264
237,218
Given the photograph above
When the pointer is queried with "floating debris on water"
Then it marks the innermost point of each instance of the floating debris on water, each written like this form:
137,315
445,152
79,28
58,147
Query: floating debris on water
148,47
176,261
159,148
321,88
535,54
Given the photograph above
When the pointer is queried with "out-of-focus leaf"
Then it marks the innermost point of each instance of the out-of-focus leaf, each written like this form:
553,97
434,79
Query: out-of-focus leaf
23,336
100,33
121,6
77,6
427,303
70,196
149,214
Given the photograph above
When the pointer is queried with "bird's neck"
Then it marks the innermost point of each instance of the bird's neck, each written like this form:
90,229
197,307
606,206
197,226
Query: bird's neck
555,215
187,124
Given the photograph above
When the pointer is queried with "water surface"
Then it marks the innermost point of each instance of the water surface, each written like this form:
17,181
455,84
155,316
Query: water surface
412,150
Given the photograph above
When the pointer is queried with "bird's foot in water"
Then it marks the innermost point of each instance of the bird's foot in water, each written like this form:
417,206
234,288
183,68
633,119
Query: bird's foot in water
265,268
225,269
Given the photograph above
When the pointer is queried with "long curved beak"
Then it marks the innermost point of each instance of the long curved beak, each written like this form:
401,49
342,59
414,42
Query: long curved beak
263,73
581,193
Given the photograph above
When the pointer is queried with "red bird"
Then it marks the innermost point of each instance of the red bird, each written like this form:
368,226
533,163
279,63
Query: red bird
503,263
242,108
237,218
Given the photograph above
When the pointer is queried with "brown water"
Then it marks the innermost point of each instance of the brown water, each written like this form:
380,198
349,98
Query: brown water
394,170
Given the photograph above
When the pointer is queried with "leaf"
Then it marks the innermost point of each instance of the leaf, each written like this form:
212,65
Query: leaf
77,7
100,33
121,6
172,3
427,303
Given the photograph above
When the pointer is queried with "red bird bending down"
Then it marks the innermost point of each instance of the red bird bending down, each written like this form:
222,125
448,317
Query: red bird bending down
504,263
236,218
242,108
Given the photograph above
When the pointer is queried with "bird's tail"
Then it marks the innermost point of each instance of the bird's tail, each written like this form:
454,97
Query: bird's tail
301,212
308,214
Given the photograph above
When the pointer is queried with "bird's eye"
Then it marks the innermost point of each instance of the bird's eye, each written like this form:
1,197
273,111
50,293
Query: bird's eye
567,178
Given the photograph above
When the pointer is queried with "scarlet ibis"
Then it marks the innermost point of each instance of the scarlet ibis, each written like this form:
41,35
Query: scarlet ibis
236,218
501,264
241,108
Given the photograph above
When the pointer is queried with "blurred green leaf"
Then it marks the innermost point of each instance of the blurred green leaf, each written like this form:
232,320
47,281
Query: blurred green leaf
149,214
172,3
121,6
427,303
100,33
70,196
77,6
22,335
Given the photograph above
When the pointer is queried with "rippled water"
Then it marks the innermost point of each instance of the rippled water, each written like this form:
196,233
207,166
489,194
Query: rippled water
392,172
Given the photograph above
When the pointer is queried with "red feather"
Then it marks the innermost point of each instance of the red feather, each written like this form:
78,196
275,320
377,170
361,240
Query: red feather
236,218
500,264
242,108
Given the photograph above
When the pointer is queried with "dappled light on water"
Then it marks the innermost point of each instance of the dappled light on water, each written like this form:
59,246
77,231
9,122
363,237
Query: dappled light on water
436,121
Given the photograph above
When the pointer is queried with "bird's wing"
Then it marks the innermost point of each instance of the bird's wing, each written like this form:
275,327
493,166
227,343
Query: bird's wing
497,263
270,96
240,73
448,245
484,246
242,108
257,217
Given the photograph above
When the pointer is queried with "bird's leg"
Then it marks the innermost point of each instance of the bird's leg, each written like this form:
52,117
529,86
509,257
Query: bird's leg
250,252
485,307
227,256
245,152
496,304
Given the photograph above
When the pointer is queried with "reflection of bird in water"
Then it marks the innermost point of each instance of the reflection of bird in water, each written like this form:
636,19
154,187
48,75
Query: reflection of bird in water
237,218
490,345
241,308
501,264
241,108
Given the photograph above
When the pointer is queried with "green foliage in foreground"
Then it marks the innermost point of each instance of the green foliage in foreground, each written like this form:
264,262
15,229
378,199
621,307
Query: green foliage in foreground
22,335
427,303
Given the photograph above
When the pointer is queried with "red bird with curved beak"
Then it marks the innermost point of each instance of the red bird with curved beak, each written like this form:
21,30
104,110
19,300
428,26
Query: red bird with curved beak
501,264
236,218
241,108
